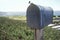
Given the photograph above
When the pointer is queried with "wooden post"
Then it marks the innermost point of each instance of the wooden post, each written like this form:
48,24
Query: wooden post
38,34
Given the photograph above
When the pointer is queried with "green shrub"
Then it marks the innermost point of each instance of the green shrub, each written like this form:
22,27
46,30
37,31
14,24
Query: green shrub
14,30
51,34
11,29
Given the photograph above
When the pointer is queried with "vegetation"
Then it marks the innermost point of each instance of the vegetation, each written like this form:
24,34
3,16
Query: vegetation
51,34
15,28
11,29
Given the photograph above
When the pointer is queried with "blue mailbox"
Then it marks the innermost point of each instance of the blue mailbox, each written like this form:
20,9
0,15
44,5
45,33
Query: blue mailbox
38,16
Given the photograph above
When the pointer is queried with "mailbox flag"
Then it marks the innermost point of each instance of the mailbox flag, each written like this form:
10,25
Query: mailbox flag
38,16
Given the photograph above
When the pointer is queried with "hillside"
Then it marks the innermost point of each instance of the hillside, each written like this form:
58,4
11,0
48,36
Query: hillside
15,28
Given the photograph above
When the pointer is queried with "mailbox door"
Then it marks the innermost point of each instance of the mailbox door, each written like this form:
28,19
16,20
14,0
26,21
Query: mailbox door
33,16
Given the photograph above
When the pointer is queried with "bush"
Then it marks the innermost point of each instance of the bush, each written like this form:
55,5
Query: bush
14,30
51,34
11,29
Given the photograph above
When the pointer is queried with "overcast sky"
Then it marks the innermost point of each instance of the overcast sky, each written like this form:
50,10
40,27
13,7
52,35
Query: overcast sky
21,5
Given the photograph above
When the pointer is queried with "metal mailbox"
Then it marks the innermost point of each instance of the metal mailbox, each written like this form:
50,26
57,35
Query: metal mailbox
38,16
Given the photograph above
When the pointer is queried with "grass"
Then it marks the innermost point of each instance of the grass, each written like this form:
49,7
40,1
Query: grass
15,28
17,18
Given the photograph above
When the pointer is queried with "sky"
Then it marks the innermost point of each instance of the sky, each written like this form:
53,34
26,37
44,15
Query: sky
21,5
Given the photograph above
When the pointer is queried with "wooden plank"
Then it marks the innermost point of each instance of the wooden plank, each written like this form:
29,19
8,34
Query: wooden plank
38,34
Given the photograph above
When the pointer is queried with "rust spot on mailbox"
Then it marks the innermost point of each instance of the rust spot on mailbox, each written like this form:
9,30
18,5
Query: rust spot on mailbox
38,16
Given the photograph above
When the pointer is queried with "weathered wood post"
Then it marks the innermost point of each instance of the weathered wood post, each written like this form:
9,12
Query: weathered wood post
38,34
37,18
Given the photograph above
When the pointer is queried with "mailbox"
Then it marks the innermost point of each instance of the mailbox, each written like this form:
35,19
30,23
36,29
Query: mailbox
38,16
